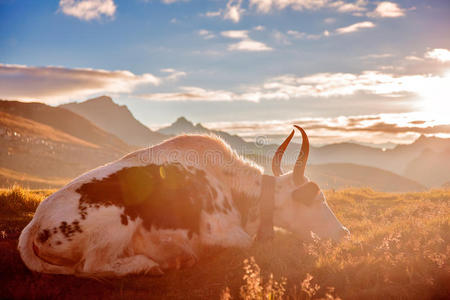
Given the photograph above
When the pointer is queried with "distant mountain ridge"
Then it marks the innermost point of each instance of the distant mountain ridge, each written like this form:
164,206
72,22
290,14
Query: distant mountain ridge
115,119
403,160
40,143
183,126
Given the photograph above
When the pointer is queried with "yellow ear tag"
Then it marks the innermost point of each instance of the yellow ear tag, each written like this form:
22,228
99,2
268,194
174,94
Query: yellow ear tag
162,172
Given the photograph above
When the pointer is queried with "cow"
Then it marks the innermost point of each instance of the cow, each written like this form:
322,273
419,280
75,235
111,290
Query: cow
157,208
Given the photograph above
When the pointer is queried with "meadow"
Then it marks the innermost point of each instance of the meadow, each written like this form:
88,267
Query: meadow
399,249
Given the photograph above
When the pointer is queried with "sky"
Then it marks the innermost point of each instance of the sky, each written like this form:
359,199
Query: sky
347,70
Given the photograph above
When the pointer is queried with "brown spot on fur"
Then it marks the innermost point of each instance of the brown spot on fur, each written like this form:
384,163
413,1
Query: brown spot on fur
166,196
44,235
124,219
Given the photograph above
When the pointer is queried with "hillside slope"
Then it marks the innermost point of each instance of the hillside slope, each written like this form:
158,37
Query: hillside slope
337,176
35,154
115,119
430,167
342,175
65,121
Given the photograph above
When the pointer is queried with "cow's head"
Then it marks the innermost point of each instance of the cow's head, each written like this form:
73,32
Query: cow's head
300,205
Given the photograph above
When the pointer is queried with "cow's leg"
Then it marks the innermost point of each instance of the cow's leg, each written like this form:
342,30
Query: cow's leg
219,229
171,248
177,254
137,264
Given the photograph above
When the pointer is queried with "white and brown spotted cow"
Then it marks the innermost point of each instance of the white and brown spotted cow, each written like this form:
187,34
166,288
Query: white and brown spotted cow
156,208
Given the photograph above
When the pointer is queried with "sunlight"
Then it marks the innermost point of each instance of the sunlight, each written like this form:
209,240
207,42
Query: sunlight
435,97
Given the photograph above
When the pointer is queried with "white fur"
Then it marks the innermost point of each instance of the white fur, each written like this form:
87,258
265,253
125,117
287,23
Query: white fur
107,247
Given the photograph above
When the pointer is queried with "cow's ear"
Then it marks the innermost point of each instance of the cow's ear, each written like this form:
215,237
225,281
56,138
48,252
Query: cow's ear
306,193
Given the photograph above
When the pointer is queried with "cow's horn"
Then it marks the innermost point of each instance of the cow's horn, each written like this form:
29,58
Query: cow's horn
300,164
276,161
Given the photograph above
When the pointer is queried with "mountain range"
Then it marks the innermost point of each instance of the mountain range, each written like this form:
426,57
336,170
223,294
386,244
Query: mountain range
116,119
45,146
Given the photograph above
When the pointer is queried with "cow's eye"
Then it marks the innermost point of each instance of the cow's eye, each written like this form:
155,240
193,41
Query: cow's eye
306,194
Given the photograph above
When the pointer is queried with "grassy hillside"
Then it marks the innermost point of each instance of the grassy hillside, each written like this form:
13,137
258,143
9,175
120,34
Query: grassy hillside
66,121
399,249
10,177
43,146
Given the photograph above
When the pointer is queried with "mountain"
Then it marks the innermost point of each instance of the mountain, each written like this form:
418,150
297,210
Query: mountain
65,121
43,146
397,160
334,176
430,167
183,126
425,160
341,175
116,119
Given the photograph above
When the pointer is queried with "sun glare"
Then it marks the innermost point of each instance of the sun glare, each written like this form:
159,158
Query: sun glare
435,97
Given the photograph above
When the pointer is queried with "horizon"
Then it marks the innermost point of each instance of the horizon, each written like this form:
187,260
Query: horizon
370,72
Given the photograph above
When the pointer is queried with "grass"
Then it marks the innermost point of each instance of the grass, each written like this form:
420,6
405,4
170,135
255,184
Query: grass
8,175
400,249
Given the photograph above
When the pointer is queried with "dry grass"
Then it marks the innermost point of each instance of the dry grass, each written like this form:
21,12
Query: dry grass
400,249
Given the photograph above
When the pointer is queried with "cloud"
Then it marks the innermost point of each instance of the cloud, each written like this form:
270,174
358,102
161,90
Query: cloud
211,14
387,9
370,129
377,56
206,34
88,9
302,35
235,34
321,85
193,94
259,28
439,54
266,6
344,84
281,38
53,84
355,27
414,58
173,74
173,1
249,46
296,34
246,44
233,10
345,7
